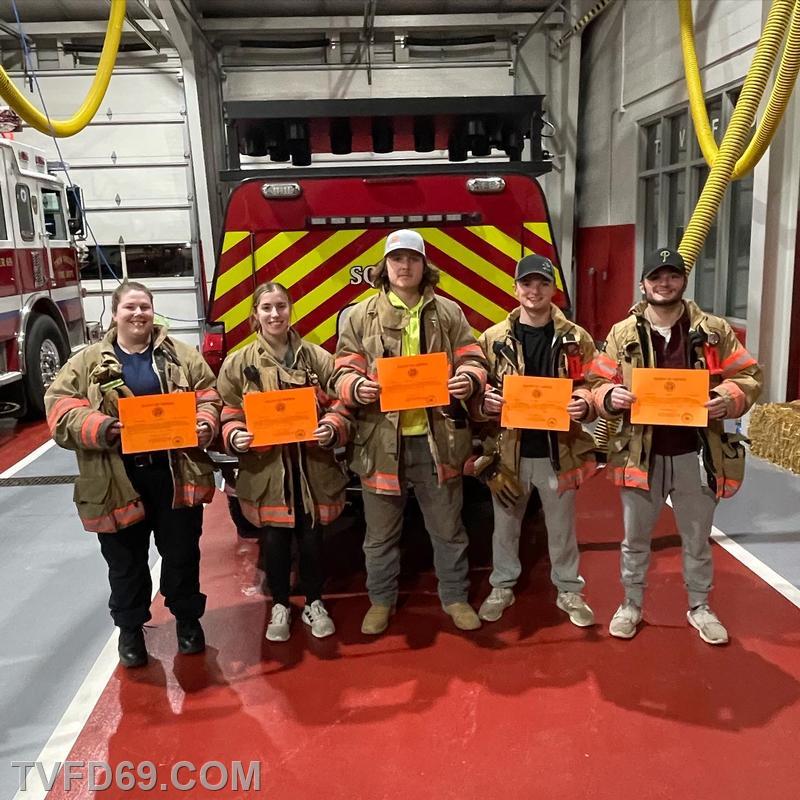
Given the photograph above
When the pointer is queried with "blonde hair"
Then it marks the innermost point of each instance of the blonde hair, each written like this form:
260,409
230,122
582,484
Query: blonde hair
262,289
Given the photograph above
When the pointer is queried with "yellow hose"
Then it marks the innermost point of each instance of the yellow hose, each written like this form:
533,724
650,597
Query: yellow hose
85,114
778,99
733,142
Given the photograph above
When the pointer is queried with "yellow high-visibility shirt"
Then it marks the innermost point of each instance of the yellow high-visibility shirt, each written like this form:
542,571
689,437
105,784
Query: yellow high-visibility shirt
413,422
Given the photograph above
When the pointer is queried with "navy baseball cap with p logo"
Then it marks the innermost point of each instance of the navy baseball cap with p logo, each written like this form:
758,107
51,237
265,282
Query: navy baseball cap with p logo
663,257
535,265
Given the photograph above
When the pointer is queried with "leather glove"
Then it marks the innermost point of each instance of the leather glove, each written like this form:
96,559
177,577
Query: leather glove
502,483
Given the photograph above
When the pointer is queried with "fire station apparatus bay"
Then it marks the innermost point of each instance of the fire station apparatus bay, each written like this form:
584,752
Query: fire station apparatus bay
413,381
537,403
158,422
670,397
281,416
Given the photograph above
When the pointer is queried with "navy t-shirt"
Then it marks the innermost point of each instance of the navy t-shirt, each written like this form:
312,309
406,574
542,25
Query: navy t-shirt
138,372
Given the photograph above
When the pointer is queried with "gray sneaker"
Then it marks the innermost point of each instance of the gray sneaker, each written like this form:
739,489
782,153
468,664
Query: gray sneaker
317,618
707,624
625,620
576,607
495,604
278,628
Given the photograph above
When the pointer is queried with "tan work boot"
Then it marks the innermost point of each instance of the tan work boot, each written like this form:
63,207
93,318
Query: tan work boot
376,620
463,615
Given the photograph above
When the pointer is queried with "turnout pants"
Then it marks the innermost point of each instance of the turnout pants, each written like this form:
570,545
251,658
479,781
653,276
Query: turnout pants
676,477
559,518
441,509
177,537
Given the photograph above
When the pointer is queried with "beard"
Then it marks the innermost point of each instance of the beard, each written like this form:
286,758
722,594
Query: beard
655,300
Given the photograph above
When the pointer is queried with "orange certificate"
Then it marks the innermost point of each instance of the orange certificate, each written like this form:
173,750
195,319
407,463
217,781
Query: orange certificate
413,381
281,416
538,403
670,397
158,422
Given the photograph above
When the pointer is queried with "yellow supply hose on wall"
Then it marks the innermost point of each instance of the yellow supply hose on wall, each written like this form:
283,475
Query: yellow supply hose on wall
778,99
85,114
734,140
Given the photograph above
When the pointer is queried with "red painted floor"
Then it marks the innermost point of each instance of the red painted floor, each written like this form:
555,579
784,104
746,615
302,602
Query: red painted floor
529,707
17,439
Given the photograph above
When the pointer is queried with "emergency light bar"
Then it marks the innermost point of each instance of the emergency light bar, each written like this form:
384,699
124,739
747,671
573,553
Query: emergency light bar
455,218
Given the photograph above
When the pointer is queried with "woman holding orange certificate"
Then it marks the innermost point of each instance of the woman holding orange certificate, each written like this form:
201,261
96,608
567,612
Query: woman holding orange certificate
297,485
123,498
422,447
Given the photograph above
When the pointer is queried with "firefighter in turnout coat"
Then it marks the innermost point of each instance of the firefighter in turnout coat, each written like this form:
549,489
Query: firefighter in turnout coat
123,498
425,448
537,339
694,467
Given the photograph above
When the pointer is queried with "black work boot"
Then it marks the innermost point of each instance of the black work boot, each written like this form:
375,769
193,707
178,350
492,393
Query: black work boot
190,636
132,652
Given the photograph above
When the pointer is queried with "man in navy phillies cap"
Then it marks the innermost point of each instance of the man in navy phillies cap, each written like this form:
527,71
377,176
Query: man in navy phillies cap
663,257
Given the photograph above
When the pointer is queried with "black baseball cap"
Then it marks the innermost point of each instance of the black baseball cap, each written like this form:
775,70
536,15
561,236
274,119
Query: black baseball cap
535,265
663,257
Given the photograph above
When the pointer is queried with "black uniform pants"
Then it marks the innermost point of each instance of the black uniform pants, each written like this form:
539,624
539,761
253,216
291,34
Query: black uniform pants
276,545
177,537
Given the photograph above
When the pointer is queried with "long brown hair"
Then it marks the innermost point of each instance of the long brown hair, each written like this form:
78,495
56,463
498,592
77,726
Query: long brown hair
380,275
262,289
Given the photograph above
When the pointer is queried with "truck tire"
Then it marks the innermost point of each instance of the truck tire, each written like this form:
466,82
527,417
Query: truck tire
46,351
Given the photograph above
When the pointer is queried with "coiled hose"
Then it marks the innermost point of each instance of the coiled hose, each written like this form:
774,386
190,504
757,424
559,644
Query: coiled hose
85,114
733,142
776,105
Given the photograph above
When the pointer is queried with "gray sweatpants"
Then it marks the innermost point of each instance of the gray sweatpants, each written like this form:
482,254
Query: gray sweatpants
441,509
677,477
559,518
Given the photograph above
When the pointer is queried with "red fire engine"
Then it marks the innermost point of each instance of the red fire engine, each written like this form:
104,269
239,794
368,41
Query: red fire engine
319,230
41,313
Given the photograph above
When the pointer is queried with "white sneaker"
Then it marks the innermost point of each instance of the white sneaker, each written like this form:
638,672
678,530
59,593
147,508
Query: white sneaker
576,607
316,615
707,624
495,604
625,620
278,628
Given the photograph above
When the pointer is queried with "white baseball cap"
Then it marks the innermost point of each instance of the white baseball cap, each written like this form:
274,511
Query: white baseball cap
404,240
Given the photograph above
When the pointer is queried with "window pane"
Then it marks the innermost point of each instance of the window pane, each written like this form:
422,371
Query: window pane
159,260
53,211
653,146
105,264
739,247
676,206
714,108
651,195
678,138
705,268
3,229
24,212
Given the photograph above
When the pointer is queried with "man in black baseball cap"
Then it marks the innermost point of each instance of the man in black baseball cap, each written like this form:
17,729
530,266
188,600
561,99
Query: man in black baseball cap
661,259
535,265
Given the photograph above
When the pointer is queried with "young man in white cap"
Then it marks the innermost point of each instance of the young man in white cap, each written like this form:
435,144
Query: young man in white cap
536,339
694,467
423,448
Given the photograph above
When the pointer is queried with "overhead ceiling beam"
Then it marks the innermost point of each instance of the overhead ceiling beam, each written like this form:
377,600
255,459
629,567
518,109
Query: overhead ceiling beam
238,25
62,30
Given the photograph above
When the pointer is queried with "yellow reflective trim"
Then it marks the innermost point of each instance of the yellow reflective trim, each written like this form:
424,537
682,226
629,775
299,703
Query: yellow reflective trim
318,256
540,229
232,238
500,241
469,259
471,299
325,330
328,288
243,343
244,270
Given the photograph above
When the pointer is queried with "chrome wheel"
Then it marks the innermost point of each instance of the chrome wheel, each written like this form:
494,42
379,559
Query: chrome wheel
49,362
